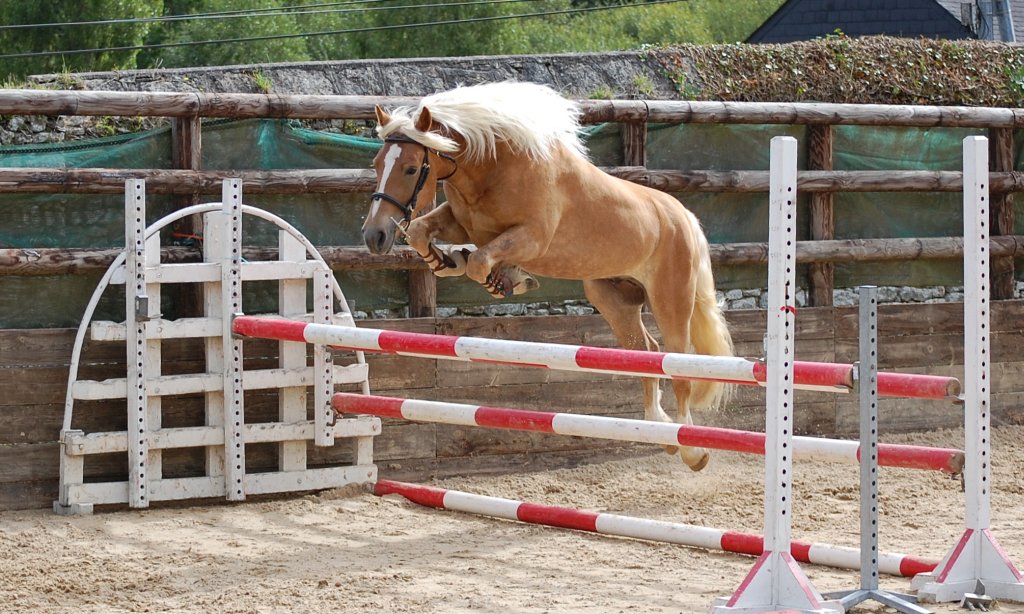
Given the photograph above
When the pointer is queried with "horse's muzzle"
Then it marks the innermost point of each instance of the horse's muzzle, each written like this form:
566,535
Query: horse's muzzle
378,241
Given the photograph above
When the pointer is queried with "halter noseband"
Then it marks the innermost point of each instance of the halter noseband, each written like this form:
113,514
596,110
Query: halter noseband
409,206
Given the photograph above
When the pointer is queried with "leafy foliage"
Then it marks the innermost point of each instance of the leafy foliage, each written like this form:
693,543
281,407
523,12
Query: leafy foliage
847,70
394,28
72,37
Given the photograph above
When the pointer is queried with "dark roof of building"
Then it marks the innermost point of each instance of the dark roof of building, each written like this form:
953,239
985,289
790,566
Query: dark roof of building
799,20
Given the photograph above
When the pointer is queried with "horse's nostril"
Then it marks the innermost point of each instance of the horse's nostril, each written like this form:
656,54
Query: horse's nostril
375,240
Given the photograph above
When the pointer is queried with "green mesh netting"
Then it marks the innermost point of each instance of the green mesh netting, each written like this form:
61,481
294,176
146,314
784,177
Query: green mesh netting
81,220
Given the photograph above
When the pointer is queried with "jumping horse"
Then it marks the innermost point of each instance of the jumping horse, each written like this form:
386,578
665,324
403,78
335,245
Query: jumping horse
520,187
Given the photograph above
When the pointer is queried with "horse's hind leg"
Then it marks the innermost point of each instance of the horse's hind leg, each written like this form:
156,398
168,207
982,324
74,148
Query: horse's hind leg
620,302
672,306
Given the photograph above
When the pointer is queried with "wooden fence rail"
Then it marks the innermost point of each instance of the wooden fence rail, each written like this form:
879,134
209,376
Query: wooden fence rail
198,104
64,261
188,182
170,181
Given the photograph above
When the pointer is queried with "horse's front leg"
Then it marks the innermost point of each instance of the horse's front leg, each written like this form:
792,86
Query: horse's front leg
438,224
513,247
441,224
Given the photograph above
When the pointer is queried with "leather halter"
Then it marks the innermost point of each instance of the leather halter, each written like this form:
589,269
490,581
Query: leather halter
409,206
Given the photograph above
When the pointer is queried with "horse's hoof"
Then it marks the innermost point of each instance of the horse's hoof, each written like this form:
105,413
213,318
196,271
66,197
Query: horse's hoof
703,462
671,450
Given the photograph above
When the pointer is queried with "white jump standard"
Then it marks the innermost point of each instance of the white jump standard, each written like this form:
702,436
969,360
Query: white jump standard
976,563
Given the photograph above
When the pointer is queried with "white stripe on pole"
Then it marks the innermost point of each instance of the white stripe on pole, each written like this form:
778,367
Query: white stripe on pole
709,367
482,504
603,427
448,413
837,556
656,530
549,354
819,449
326,334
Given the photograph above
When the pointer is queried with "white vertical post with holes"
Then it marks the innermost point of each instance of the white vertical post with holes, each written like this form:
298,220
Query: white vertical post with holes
776,581
867,384
231,303
136,315
976,564
323,364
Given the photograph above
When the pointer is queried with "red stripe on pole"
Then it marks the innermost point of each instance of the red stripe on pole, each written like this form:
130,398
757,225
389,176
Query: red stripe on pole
917,386
801,551
269,328
812,373
557,517
908,385
916,457
748,543
417,343
620,360
910,567
386,407
721,439
518,419
423,495
822,374
742,543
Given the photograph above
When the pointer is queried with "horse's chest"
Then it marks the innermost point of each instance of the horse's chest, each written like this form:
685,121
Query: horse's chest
480,224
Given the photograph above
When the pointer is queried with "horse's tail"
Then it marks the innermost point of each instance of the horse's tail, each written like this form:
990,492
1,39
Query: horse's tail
709,333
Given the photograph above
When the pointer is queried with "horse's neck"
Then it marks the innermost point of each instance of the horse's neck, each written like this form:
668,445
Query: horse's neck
478,180
474,179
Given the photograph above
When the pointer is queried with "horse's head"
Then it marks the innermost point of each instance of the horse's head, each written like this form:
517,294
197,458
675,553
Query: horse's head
407,178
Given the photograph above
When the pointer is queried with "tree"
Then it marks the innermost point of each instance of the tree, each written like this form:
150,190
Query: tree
617,28
214,22
299,30
71,37
393,29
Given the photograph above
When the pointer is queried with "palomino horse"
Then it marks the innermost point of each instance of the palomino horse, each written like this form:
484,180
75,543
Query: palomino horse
520,188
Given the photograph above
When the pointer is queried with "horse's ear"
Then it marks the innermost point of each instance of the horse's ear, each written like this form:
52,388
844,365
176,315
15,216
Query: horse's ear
382,116
424,121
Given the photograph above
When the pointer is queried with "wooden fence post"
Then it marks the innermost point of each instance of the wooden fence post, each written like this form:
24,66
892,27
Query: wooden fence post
1001,216
187,154
422,288
634,144
821,275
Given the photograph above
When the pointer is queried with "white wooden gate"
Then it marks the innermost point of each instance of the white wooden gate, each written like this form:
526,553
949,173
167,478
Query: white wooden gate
224,432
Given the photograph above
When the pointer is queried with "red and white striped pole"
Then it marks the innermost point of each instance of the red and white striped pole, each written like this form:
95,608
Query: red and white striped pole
642,528
808,375
640,431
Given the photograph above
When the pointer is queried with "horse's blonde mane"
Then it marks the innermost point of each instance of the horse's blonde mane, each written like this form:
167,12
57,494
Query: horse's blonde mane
530,118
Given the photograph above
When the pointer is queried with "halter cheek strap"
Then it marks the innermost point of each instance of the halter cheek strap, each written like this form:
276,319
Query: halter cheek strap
409,206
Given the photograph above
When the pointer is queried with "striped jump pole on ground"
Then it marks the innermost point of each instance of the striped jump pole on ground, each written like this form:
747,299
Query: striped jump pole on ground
641,431
808,375
641,528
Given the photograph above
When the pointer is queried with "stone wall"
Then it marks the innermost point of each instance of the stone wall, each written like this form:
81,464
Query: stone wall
584,75
579,75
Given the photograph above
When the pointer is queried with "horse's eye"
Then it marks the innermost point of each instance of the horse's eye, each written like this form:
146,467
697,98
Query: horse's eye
410,171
